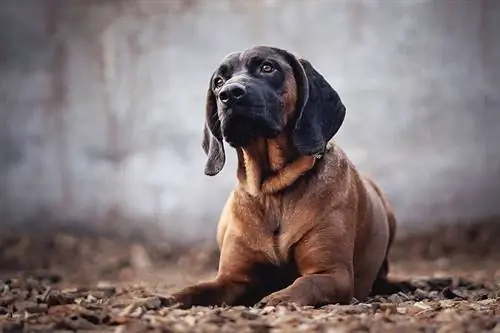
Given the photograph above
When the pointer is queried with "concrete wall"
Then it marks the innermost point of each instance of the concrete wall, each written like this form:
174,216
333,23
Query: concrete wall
102,104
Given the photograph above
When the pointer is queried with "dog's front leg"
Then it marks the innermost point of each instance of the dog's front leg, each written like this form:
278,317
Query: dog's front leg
324,260
315,290
218,291
233,285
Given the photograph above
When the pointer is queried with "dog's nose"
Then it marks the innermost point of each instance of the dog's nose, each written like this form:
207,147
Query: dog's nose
231,93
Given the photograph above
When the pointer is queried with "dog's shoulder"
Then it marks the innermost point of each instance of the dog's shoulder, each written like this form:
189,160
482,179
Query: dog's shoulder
336,166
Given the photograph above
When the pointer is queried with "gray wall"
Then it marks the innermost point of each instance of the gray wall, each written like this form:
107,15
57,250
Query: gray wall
102,105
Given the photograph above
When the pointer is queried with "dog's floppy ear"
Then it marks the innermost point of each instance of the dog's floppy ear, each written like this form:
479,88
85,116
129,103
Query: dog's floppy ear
320,112
212,136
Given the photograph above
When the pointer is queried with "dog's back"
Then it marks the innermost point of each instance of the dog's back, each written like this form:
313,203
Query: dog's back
391,217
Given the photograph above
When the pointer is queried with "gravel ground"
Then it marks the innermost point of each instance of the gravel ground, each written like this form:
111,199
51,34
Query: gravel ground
59,282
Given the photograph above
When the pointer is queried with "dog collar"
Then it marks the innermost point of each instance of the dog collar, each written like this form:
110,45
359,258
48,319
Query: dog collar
318,156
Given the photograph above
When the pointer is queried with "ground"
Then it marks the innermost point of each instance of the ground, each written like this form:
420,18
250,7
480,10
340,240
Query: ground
61,282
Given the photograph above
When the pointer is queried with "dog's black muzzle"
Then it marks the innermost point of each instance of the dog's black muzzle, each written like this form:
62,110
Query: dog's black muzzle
248,112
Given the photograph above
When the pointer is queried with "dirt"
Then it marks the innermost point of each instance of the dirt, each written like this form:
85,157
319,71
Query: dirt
63,282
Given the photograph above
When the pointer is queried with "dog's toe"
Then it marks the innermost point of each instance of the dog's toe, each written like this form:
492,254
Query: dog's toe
278,298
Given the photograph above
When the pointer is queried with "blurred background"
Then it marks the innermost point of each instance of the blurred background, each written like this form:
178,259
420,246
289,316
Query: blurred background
102,106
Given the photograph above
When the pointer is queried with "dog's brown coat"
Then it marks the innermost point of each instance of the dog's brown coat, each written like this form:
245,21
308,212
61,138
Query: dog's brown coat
297,229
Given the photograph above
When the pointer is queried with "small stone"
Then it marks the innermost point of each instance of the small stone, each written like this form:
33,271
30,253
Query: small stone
486,302
389,308
420,294
267,310
249,315
452,294
6,300
128,310
91,298
59,299
153,303
395,298
402,310
404,296
37,308
375,306
118,320
74,323
422,306
91,317
13,283
21,306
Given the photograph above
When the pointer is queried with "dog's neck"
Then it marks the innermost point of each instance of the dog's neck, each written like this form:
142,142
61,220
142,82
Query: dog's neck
268,166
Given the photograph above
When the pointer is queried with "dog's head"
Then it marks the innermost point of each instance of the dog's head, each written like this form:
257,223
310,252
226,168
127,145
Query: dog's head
262,92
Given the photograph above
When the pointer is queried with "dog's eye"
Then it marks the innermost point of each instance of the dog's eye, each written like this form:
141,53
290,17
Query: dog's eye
218,82
267,68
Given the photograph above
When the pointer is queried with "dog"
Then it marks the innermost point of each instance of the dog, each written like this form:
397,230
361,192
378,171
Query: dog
302,224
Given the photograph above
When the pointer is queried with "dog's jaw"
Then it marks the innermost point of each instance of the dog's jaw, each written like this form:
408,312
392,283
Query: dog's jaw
240,130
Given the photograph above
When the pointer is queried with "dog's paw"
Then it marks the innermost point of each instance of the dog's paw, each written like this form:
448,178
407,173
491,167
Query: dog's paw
279,298
170,301
183,303
182,300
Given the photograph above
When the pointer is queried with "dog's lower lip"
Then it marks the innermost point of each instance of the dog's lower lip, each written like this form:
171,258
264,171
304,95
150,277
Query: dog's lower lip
238,143
236,132
241,128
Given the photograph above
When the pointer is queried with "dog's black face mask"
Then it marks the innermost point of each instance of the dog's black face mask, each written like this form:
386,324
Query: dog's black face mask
247,99
248,88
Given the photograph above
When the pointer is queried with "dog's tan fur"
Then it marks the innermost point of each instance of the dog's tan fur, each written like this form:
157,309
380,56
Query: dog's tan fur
297,229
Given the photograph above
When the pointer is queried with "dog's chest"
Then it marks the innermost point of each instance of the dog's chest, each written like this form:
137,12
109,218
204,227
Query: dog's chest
278,230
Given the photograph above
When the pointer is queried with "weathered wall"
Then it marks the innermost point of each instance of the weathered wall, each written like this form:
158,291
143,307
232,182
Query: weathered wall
102,105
